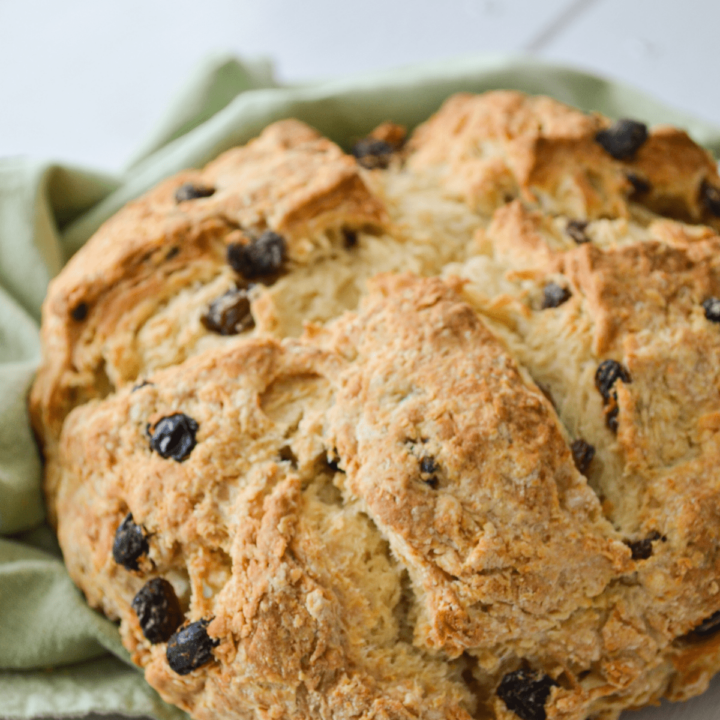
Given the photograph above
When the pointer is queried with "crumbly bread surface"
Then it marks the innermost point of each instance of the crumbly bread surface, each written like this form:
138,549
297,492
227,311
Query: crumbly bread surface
384,511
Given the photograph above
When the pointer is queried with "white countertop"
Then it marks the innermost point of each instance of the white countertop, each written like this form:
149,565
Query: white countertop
83,81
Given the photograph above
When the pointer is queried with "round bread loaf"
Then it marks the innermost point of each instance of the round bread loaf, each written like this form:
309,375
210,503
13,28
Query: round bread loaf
427,431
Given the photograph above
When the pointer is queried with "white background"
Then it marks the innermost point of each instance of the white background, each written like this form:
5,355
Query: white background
84,81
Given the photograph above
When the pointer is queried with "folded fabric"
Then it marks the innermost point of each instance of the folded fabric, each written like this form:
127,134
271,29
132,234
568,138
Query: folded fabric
57,656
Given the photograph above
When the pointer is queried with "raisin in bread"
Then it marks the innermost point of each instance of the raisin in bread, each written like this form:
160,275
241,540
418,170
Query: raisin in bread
431,430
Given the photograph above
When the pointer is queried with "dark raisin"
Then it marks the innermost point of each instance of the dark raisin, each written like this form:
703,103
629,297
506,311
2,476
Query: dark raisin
709,626
428,465
372,153
643,549
158,610
640,185
712,309
428,468
262,257
141,385
130,544
582,453
710,196
174,436
611,415
172,252
79,312
229,314
190,648
350,237
623,138
190,191
607,374
525,692
554,295
576,230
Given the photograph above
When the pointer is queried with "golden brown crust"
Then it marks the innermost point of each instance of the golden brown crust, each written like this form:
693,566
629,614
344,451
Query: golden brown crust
488,148
289,180
675,283
492,147
507,495
675,169
252,527
383,516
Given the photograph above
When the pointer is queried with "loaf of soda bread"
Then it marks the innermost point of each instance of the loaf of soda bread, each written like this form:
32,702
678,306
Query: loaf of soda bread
429,430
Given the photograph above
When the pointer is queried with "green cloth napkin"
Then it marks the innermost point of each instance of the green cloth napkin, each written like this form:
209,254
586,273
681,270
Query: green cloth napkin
57,656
